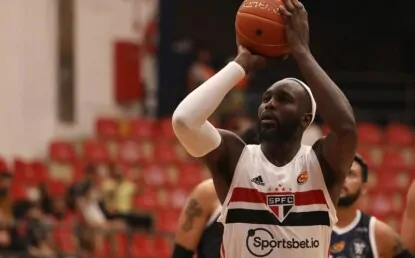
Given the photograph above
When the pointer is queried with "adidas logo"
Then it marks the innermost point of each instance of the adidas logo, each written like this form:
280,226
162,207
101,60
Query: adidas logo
258,180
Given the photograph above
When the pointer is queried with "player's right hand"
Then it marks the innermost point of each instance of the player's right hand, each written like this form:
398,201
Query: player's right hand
251,62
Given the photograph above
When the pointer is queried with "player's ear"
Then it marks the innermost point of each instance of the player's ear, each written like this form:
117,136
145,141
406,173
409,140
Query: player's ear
306,120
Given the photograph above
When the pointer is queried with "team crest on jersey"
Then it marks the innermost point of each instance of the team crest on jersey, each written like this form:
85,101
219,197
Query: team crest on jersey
280,204
337,247
302,177
359,247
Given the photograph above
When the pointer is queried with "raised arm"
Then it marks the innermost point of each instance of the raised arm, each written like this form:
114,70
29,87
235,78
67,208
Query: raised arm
408,221
198,136
337,150
220,149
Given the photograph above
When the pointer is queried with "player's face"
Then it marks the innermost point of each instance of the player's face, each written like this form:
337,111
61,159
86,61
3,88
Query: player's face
352,187
282,113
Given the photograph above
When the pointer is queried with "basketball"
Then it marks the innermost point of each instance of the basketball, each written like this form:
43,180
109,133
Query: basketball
261,28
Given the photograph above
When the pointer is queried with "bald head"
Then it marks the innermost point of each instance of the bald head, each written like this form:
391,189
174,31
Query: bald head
298,91
286,110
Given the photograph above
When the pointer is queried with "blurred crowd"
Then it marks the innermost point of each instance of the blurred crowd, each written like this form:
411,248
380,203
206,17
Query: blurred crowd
69,222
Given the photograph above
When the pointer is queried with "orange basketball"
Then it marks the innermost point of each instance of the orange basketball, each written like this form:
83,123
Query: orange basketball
261,28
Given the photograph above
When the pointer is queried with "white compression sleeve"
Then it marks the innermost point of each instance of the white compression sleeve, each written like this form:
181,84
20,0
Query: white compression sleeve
195,133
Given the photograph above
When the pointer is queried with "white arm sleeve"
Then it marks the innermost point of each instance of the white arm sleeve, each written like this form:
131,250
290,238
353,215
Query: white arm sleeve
195,133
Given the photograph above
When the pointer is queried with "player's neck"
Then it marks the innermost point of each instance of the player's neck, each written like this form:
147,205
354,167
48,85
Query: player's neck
345,216
281,153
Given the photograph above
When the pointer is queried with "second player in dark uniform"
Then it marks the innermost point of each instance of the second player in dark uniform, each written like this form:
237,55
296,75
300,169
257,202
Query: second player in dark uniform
357,234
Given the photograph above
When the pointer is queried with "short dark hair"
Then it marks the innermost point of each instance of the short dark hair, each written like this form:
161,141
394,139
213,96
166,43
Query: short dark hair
365,169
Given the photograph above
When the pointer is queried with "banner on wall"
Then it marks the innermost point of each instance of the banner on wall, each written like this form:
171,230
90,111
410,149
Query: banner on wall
128,85
66,61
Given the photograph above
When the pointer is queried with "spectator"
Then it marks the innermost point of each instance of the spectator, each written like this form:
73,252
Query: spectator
95,224
6,205
119,192
64,222
10,244
9,238
37,235
88,203
85,197
91,180
200,70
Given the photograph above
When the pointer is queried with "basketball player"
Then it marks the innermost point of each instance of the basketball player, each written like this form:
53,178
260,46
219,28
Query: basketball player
408,221
358,234
277,196
198,227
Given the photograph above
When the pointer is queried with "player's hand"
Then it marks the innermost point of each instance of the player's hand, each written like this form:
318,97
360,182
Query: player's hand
297,29
251,62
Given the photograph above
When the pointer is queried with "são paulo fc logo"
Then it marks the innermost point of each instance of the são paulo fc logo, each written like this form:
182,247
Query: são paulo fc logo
260,242
280,204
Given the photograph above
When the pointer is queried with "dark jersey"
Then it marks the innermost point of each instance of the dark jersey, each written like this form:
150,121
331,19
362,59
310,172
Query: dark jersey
356,240
211,240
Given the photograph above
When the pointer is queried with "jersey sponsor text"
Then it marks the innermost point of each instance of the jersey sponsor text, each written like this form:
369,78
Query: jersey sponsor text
260,242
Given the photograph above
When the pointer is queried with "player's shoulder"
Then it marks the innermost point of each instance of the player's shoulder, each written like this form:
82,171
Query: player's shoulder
385,235
383,229
388,240
205,186
204,191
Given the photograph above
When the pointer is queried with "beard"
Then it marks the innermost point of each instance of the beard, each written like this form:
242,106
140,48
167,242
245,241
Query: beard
279,132
349,199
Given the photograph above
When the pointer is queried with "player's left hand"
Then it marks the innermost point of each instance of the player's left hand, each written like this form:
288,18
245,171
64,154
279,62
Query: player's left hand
297,29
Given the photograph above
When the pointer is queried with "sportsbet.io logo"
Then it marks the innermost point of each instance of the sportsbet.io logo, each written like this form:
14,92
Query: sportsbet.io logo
260,243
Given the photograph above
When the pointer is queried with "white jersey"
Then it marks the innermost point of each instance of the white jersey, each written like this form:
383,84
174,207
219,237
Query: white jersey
281,212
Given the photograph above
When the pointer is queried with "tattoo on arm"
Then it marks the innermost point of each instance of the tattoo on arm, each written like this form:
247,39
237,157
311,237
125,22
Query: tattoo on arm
192,211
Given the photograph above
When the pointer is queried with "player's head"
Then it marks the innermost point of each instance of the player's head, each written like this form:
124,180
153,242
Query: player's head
355,182
287,109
